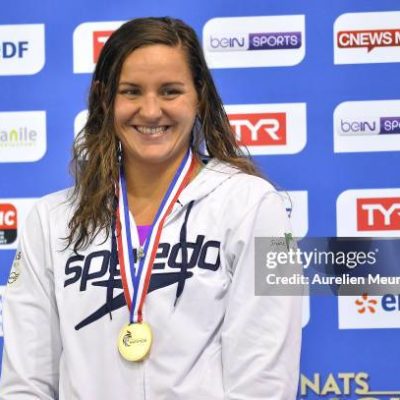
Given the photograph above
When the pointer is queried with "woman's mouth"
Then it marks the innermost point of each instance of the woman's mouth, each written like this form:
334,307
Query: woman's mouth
151,130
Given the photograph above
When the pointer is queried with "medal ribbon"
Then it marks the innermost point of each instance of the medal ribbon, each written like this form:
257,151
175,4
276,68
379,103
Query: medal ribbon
135,289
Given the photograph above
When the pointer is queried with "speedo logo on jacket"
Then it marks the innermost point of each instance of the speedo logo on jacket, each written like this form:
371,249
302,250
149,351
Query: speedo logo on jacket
93,269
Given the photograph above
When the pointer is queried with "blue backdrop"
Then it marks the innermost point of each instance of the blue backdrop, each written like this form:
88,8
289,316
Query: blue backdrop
310,76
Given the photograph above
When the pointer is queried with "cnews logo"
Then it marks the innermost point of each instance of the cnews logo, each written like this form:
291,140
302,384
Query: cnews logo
369,39
89,39
259,129
13,213
22,49
378,214
256,41
8,223
230,42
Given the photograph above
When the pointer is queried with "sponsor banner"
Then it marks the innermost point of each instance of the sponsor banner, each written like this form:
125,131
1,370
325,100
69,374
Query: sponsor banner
334,385
264,41
369,212
296,203
13,213
369,312
80,121
367,126
371,37
8,223
22,49
22,136
269,128
89,39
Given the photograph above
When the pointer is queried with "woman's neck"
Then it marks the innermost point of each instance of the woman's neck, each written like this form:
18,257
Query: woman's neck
147,184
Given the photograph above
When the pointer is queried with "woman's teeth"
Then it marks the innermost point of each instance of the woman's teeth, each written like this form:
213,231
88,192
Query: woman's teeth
151,130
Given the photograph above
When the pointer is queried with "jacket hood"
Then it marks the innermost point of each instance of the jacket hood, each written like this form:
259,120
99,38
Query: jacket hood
212,175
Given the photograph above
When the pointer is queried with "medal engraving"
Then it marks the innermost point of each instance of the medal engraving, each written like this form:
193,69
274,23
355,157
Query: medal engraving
134,341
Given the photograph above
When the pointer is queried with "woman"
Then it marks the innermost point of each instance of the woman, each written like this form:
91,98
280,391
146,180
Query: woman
139,283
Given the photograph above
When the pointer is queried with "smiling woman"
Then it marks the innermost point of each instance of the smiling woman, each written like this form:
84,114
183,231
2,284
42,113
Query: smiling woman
139,281
155,106
155,109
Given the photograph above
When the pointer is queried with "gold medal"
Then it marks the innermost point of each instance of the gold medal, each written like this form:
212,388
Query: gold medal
134,341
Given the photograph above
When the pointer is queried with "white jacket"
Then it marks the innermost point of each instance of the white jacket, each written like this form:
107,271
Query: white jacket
219,342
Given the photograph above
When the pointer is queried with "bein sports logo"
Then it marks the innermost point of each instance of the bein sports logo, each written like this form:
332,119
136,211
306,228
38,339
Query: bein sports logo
378,214
237,42
368,125
371,37
377,126
259,129
256,41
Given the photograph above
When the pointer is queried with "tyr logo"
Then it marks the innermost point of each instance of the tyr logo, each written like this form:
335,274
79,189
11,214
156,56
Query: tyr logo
378,214
262,129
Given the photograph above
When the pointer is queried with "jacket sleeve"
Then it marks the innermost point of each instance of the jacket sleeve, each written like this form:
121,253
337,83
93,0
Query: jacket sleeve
261,335
32,344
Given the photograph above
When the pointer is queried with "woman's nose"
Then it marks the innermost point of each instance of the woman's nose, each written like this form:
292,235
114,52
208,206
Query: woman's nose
150,107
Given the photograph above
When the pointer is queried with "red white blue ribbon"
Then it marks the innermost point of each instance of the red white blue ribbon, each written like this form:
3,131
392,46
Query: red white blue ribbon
136,276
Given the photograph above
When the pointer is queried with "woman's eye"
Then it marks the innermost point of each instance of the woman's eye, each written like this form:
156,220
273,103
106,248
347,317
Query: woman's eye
170,92
129,92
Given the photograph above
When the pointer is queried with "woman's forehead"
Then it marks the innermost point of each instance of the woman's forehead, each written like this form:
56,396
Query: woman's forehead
156,61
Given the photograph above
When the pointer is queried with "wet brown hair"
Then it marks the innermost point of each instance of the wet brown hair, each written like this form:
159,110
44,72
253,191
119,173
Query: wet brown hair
95,152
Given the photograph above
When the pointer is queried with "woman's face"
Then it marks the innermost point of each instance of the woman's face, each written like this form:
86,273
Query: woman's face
155,105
